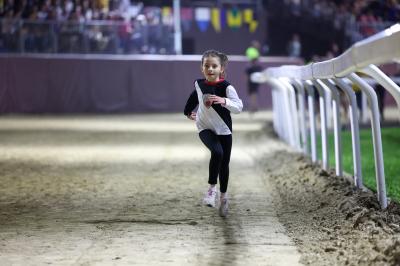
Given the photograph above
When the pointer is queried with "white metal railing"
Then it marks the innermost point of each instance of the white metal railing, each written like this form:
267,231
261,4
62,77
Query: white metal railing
326,77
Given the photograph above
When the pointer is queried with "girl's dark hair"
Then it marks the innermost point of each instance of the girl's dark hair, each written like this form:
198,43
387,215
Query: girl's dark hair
223,58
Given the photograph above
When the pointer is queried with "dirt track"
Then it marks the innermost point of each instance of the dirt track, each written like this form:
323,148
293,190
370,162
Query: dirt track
126,190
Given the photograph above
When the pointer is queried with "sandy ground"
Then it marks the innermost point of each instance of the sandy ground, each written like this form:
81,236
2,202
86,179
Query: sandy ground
331,223
127,190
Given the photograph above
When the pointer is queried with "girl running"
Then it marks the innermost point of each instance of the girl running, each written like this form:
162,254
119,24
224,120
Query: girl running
216,99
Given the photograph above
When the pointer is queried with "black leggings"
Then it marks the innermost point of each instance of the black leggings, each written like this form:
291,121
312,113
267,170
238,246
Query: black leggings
220,147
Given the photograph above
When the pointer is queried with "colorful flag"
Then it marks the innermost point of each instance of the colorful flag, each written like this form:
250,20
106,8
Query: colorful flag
202,16
216,19
186,13
249,18
253,26
186,18
247,15
234,18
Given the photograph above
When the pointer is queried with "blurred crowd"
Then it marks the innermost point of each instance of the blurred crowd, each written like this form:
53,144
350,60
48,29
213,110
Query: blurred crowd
64,10
360,18
84,26
340,11
337,23
125,26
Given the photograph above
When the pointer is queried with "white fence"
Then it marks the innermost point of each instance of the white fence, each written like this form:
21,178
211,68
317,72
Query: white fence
290,121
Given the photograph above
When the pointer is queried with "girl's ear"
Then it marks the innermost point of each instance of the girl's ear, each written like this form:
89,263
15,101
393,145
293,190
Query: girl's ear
222,74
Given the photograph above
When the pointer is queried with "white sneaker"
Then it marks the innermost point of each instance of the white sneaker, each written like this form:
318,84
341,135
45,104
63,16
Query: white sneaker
223,207
210,197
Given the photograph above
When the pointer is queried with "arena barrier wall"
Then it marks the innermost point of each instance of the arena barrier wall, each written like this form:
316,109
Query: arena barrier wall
32,83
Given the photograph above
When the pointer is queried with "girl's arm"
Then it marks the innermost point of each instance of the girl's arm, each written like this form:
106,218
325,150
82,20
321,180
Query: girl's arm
232,101
191,103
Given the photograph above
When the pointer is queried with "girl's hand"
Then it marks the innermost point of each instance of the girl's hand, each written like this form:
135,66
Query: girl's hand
192,116
216,99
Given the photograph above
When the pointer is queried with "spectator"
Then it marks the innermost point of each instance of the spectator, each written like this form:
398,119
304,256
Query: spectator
294,46
335,49
253,51
124,33
9,29
252,86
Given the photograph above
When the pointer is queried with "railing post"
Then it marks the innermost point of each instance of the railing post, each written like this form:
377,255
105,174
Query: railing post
278,108
364,107
355,131
288,117
376,137
383,80
283,117
328,108
324,135
311,114
294,112
289,132
337,127
301,100
276,112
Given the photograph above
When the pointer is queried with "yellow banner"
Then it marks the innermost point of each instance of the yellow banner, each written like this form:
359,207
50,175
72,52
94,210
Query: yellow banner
216,19
248,17
234,18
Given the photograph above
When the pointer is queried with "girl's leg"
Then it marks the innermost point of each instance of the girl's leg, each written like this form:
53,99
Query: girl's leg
226,143
213,144
253,102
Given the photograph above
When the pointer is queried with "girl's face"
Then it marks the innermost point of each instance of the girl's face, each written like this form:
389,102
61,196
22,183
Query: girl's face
212,69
